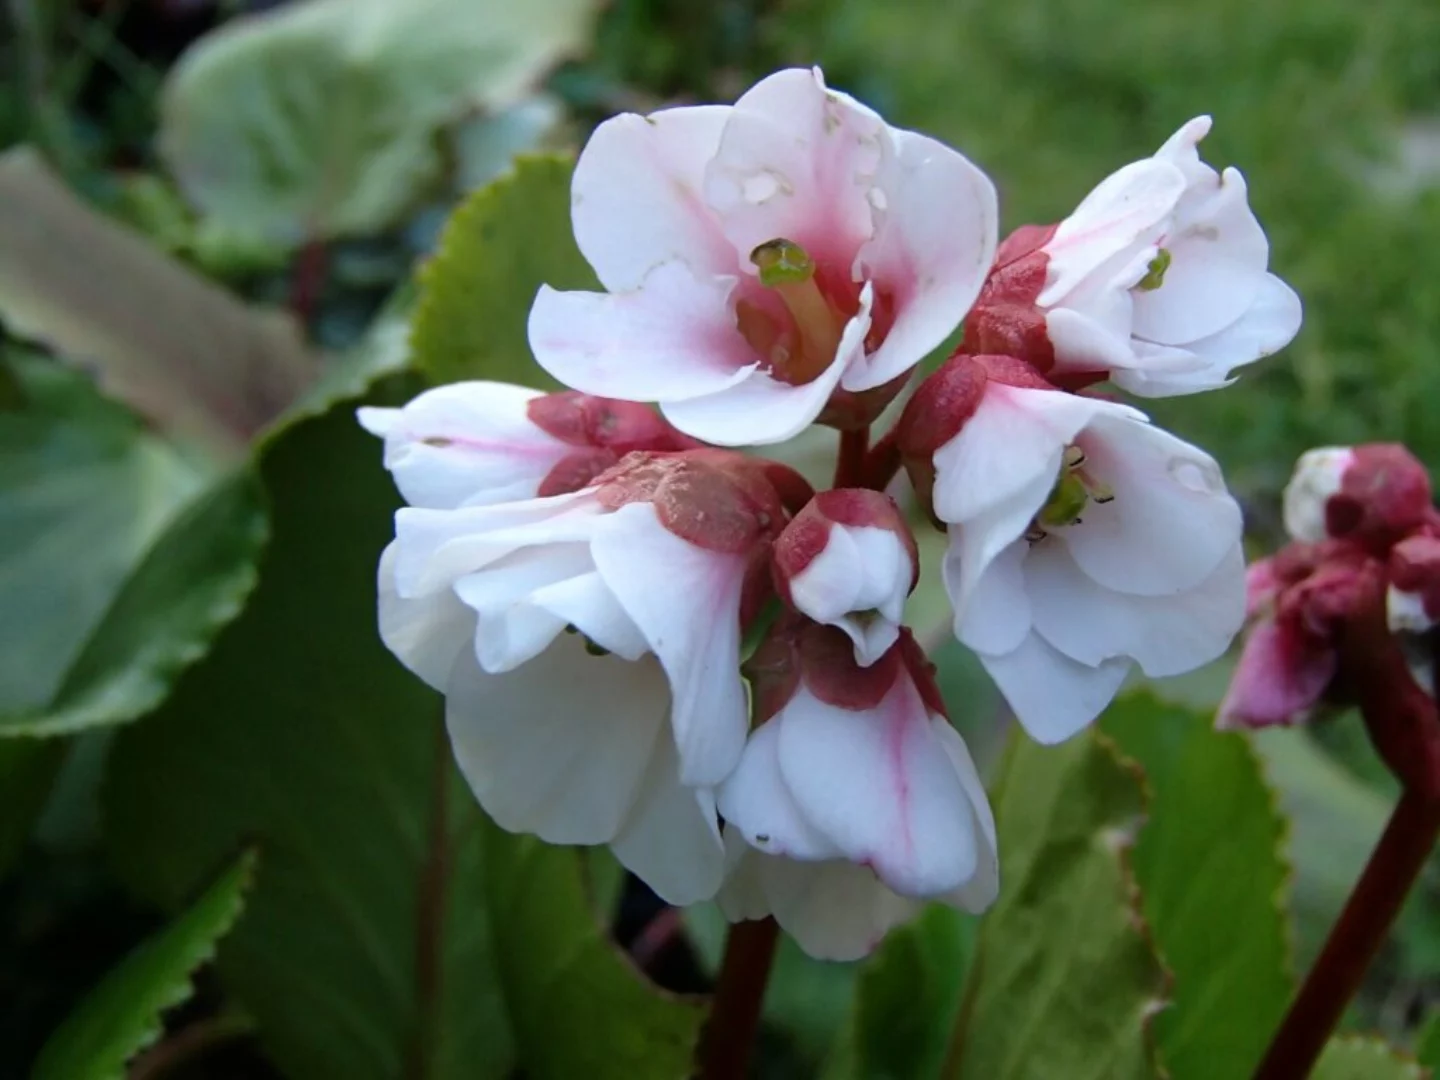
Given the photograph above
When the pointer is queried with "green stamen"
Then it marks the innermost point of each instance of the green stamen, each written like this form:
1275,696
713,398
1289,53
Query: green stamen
1155,273
787,268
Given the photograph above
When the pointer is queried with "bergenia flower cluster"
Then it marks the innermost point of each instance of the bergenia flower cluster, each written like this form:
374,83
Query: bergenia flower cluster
652,639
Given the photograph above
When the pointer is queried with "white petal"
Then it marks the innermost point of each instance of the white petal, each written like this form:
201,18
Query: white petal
636,200
833,910
1171,521
558,747
975,545
761,410
510,629
686,601
797,160
1129,207
881,787
672,840
674,337
1014,437
1165,635
756,801
1405,611
1218,254
1318,475
933,248
993,616
435,547
742,896
1081,343
1268,326
465,442
425,634
981,890
1053,696
858,583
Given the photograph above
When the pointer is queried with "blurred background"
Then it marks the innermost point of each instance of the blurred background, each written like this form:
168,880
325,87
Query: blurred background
306,164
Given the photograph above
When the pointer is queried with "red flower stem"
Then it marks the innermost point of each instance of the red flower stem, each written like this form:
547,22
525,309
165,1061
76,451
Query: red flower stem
850,465
307,280
739,994
1362,928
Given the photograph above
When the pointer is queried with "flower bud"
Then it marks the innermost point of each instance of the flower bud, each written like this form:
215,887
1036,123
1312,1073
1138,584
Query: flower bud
1372,495
848,560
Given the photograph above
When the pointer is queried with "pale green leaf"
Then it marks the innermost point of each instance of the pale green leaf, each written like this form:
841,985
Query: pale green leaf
84,493
123,1014
503,243
1064,982
197,362
299,730
321,118
1213,884
1350,1057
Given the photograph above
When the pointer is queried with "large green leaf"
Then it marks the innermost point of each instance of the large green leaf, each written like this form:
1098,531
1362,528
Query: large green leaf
84,492
299,730
320,119
1212,885
122,1015
1349,1057
503,243
1427,1043
1064,982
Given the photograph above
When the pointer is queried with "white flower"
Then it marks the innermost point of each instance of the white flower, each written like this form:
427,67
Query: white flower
848,560
481,443
871,241
1082,541
1159,277
504,608
469,442
855,800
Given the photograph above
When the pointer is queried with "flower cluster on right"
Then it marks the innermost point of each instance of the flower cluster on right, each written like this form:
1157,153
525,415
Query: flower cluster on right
651,639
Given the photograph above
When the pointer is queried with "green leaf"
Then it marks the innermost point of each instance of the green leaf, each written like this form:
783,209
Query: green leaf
1427,1044
907,1000
503,243
1065,981
322,119
84,493
122,1015
1213,880
300,730
196,361
27,770
189,584
1350,1057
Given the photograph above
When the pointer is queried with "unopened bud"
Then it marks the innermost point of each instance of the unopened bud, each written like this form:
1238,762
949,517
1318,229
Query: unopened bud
1372,495
849,560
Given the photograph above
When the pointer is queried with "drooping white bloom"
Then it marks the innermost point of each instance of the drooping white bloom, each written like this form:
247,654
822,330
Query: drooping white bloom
761,259
504,608
1158,280
481,443
848,560
1083,541
855,801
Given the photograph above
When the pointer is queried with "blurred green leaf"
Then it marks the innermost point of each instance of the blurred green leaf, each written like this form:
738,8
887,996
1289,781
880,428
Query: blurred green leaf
1064,981
193,359
383,940
321,118
186,587
1352,1057
27,770
84,493
907,1000
499,247
1427,1044
123,1014
1213,880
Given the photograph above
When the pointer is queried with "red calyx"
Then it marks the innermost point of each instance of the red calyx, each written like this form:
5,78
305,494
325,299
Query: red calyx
1005,318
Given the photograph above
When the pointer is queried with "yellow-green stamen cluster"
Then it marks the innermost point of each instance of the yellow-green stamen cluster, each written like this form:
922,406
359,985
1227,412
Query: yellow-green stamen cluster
1073,491
787,268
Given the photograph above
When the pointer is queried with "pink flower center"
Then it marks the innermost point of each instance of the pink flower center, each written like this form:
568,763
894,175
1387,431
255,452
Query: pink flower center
796,316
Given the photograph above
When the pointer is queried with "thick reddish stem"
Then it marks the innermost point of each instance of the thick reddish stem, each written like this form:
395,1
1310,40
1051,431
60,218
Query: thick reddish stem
850,465
1392,870
307,280
739,995
883,462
